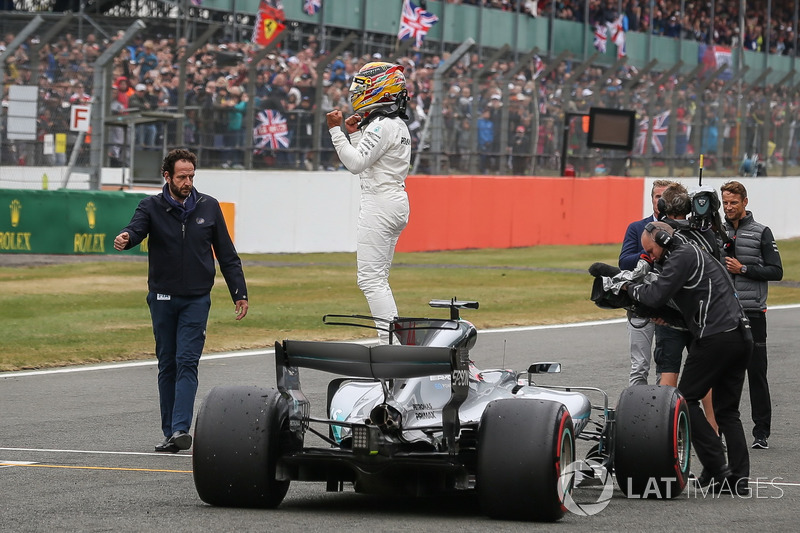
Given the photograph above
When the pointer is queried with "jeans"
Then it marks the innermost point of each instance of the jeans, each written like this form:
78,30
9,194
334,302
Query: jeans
146,135
179,327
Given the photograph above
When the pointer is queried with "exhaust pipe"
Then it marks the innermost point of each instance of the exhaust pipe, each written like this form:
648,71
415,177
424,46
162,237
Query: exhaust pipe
386,417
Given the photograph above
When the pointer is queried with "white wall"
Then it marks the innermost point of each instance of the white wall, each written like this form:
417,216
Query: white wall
283,212
772,200
32,178
304,212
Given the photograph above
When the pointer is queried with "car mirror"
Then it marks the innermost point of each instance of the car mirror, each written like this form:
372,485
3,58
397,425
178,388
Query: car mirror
544,368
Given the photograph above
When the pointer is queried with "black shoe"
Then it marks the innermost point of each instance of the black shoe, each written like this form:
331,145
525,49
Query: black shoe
716,481
732,485
705,478
181,440
760,443
739,487
167,446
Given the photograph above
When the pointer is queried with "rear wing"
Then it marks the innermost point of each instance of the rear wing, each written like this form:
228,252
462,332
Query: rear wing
376,362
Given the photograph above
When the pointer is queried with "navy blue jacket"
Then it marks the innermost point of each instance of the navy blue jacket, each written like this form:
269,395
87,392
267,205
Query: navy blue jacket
181,254
632,244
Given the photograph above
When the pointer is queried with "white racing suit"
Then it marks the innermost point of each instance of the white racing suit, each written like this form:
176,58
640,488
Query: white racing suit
380,155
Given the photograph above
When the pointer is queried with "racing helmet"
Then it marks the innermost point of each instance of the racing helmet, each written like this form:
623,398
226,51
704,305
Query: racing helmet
377,84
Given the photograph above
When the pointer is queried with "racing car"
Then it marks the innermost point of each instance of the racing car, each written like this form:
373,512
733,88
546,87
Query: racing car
416,415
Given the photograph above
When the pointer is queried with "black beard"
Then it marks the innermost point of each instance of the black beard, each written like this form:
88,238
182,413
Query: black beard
176,193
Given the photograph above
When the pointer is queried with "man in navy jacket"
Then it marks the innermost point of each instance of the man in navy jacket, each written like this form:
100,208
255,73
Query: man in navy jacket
640,330
186,230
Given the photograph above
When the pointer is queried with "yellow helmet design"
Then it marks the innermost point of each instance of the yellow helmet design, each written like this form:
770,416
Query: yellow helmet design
376,84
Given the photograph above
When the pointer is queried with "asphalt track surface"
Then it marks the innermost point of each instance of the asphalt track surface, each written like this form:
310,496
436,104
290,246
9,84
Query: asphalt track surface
76,450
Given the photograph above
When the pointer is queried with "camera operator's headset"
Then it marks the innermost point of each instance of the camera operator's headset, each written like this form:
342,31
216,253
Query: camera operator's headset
661,237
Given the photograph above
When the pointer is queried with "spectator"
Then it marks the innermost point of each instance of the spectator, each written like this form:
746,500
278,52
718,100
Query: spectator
116,134
124,91
146,60
142,101
237,105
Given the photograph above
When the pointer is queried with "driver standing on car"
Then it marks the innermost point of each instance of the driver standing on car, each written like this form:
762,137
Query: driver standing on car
718,354
379,151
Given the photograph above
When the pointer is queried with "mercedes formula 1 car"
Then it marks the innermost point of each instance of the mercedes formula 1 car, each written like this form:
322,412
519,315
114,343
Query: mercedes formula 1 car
418,416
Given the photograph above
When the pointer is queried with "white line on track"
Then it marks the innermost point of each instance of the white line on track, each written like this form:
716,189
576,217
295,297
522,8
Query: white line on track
9,464
248,353
96,452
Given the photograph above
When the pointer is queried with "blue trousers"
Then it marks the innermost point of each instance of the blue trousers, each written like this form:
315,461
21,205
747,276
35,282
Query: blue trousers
179,327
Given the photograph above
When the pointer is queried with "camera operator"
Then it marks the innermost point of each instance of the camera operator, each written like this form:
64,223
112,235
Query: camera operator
670,341
718,354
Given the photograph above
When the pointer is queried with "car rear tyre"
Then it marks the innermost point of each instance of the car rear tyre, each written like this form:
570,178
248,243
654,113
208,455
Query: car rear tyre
239,434
652,445
523,447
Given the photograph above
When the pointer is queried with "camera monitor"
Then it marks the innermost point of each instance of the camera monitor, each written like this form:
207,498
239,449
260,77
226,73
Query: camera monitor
611,128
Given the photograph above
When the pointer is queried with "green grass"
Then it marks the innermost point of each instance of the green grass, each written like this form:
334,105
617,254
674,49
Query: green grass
92,312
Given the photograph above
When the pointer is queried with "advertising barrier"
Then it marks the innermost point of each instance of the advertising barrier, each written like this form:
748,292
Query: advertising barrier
65,222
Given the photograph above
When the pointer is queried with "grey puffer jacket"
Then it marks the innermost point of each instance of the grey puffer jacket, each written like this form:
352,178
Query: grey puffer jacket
755,247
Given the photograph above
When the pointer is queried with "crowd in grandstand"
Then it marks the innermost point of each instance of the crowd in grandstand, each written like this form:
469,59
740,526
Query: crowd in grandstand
145,78
697,22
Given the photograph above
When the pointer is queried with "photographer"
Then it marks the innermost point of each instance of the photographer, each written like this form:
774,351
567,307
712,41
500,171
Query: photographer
719,352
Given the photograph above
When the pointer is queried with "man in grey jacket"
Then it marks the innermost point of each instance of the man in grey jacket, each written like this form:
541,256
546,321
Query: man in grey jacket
753,260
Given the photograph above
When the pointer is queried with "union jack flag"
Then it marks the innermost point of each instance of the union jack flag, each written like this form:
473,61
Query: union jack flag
659,139
600,38
415,22
312,6
613,31
271,132
538,66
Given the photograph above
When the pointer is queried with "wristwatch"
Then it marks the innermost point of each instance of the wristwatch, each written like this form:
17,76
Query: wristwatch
744,269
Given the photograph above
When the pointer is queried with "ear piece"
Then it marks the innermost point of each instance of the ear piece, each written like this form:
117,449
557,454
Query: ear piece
661,237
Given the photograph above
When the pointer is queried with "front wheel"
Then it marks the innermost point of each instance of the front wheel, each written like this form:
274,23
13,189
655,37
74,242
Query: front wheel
524,445
239,433
652,445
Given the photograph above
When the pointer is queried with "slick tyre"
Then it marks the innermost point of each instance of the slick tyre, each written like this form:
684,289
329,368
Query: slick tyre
523,446
239,435
652,445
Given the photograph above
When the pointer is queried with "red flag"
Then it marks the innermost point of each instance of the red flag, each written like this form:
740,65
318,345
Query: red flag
269,24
